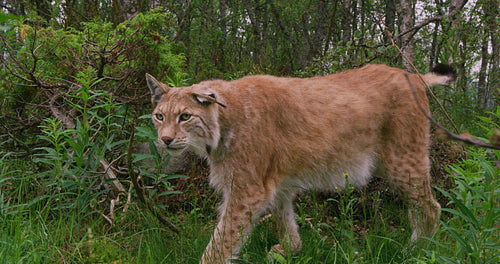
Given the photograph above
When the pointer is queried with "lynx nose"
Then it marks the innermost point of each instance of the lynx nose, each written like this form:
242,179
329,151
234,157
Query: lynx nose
167,140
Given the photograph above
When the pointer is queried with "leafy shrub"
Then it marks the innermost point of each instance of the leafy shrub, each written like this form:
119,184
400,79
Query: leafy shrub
41,65
471,234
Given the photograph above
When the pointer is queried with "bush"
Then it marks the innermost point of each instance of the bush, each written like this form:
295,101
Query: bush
471,234
41,65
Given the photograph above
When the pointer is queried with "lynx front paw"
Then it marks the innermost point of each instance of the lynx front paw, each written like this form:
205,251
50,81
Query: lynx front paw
279,254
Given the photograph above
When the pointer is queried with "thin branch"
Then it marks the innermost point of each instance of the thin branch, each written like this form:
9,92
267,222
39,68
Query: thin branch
60,115
416,28
416,70
466,138
495,159
276,14
140,192
111,175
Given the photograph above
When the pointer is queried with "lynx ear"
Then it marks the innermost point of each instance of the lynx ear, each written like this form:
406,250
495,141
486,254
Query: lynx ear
156,88
206,98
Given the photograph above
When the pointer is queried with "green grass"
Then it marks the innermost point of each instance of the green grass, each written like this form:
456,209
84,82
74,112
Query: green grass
367,226
137,237
52,209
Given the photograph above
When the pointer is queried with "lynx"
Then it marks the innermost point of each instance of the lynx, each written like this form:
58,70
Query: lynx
268,138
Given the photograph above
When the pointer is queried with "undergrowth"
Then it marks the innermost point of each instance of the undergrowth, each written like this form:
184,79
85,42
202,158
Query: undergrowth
63,206
352,227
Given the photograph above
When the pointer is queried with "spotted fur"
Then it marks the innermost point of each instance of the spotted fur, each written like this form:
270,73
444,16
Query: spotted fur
268,138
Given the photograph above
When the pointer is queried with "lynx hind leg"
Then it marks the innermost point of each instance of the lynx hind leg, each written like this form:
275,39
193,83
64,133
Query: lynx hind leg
240,209
407,169
283,213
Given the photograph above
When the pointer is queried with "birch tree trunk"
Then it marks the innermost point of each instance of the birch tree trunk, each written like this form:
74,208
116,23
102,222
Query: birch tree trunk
455,5
491,11
482,86
406,19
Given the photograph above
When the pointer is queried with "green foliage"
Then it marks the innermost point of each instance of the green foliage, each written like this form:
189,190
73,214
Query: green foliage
73,155
112,51
71,87
472,233
474,207
152,165
42,65
353,54
57,197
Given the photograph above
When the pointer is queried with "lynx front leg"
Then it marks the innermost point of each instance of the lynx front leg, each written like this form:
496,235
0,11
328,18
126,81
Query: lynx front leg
240,208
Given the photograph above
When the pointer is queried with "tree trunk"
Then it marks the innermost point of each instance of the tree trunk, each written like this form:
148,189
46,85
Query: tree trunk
390,18
347,21
435,46
482,87
321,29
491,11
406,18
455,5
331,27
255,25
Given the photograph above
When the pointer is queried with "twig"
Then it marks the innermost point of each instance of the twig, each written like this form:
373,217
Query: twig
112,207
59,114
466,138
107,218
129,198
130,169
416,28
427,86
495,159
111,175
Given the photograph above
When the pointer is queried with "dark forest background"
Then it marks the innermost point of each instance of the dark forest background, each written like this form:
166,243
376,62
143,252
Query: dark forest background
77,187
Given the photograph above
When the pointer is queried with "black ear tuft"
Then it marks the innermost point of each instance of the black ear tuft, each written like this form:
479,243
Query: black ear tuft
444,69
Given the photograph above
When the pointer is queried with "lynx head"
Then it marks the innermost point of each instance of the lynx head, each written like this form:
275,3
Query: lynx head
185,117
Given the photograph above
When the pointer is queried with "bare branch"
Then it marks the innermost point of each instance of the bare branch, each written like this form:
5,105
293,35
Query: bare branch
494,158
416,28
140,192
58,114
465,137
111,175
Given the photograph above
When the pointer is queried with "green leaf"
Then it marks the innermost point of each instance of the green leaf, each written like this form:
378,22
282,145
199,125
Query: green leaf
147,116
174,176
114,144
484,119
358,34
277,257
448,260
459,238
153,150
147,132
6,17
139,157
169,193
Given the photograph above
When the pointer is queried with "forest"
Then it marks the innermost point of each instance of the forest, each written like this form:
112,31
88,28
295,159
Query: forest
81,180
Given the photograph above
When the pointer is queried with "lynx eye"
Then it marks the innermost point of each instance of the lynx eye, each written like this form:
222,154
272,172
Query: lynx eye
184,117
159,116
